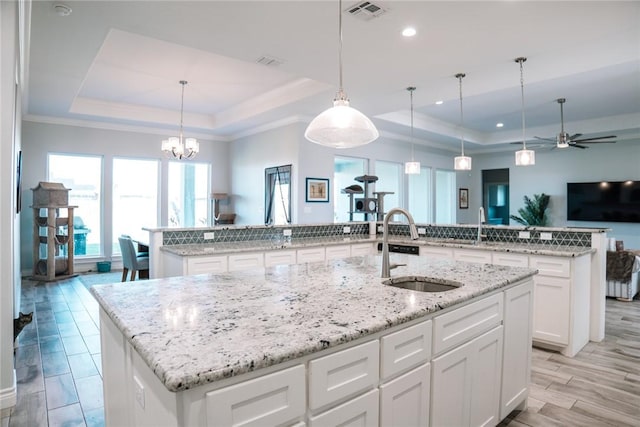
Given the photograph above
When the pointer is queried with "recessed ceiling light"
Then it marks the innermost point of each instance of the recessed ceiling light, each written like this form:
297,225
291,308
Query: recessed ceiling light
409,32
499,125
439,102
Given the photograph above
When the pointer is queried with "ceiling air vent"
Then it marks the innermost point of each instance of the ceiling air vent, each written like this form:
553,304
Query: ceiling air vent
365,10
269,61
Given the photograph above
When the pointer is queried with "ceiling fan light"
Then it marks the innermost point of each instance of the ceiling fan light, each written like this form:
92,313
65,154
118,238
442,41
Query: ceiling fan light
525,158
562,141
412,168
341,126
462,163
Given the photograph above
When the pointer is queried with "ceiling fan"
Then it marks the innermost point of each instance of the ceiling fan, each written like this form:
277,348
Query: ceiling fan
564,140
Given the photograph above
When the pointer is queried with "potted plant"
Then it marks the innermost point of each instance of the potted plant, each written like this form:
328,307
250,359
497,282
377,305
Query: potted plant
534,211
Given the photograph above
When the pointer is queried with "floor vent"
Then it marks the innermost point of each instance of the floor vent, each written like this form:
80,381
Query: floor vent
269,61
366,10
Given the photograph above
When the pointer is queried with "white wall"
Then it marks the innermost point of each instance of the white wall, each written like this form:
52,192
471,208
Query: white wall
552,171
39,139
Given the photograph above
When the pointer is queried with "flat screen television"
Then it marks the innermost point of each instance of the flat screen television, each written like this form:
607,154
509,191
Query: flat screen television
604,201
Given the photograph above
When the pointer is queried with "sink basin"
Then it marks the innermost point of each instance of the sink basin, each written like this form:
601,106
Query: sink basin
422,283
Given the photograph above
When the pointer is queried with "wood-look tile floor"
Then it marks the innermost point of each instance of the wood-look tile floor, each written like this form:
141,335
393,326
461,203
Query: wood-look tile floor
59,375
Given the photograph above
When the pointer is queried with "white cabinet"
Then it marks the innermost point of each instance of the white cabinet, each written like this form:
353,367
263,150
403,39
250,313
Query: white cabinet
313,254
405,349
510,259
285,257
272,399
361,411
343,374
436,252
207,264
472,255
337,252
552,299
516,360
238,262
404,401
465,383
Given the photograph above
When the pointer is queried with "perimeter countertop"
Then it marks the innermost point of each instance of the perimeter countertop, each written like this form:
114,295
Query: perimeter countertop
295,243
198,329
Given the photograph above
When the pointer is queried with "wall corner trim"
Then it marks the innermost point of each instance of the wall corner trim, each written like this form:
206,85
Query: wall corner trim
9,395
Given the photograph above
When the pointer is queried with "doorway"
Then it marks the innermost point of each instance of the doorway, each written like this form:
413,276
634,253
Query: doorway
495,195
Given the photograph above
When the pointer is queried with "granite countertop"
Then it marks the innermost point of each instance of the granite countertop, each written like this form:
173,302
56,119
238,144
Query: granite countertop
204,249
194,330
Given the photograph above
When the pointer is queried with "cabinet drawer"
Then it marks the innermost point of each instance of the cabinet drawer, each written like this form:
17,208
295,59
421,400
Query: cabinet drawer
405,349
510,260
309,255
551,266
268,400
272,258
482,257
343,374
436,253
454,328
362,249
361,411
337,252
209,264
242,261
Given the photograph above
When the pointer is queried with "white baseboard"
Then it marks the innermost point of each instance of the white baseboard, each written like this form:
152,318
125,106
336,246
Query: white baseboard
9,395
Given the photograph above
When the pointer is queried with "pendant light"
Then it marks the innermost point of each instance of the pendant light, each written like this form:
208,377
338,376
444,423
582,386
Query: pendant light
412,167
178,146
524,157
341,126
461,162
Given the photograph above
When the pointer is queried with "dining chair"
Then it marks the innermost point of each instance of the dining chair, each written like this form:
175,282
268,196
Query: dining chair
131,261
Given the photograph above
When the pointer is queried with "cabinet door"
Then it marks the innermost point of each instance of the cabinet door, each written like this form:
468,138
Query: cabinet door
552,309
207,264
487,378
309,255
405,400
272,399
272,258
361,411
337,252
472,255
451,387
242,261
516,365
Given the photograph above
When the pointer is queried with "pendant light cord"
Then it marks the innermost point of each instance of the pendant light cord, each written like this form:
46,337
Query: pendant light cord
341,94
411,89
183,83
460,76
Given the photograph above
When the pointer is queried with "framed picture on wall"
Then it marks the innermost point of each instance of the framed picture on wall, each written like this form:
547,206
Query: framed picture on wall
463,198
317,190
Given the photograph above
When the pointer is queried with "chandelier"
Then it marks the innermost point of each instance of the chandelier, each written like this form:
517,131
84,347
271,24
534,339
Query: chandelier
178,146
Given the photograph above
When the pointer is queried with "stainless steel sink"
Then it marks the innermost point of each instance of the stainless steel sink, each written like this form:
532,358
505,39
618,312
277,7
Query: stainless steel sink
422,283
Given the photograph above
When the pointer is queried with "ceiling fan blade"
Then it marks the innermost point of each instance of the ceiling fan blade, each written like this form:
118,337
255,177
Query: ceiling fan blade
578,146
545,139
594,142
574,136
594,139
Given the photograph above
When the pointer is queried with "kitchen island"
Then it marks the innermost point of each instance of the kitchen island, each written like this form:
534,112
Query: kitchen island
317,344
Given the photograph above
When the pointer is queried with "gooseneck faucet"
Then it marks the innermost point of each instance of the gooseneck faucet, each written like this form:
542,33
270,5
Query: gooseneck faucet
386,267
481,220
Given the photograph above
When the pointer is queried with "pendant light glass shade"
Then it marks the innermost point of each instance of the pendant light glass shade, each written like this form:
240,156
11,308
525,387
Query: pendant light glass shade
412,167
461,162
524,157
341,126
178,146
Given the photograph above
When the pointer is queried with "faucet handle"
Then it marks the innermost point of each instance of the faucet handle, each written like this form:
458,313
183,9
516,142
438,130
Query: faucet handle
392,266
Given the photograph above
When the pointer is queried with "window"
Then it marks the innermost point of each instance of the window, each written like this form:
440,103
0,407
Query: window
390,178
83,176
345,169
445,197
188,194
420,196
135,198
277,195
